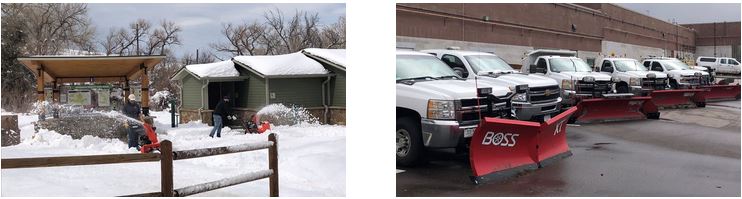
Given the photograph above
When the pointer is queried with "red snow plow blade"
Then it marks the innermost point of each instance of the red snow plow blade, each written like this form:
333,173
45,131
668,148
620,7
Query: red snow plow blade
502,148
669,98
722,92
611,109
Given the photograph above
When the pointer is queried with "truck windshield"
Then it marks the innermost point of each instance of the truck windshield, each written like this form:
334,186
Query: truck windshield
487,63
675,65
629,65
419,66
568,65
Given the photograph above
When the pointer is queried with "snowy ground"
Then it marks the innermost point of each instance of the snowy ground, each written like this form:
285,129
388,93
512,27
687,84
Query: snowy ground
311,162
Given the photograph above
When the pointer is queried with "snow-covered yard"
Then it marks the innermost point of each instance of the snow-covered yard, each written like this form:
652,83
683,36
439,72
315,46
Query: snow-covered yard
311,162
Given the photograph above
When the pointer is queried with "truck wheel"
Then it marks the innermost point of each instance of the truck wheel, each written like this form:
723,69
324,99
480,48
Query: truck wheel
622,89
673,84
654,116
701,104
409,142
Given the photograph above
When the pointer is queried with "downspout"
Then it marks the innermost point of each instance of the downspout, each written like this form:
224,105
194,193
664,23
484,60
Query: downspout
201,116
324,96
180,99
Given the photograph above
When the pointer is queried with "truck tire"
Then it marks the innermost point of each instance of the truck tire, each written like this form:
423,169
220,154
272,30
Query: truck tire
622,88
673,84
654,116
701,104
410,148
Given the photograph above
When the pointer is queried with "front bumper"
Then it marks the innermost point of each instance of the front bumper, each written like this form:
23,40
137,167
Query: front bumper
444,133
527,111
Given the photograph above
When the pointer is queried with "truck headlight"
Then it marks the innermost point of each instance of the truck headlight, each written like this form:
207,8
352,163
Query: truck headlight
588,79
521,97
615,79
567,84
635,81
441,109
697,74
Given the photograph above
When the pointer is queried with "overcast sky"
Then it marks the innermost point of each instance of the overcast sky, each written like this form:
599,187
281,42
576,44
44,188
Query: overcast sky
686,13
201,23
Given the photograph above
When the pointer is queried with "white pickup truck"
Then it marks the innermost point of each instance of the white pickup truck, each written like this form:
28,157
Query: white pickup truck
679,73
541,101
633,77
577,79
719,64
438,109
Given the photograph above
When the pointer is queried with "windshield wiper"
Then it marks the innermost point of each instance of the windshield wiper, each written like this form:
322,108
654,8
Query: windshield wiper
411,81
449,76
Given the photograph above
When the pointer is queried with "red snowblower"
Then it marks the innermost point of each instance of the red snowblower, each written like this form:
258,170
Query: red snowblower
501,148
255,126
148,142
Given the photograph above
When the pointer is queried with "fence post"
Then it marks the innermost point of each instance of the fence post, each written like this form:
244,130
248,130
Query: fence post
166,168
273,164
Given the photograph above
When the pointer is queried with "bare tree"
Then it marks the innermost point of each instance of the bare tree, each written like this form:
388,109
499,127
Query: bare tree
38,29
140,39
334,35
279,34
242,39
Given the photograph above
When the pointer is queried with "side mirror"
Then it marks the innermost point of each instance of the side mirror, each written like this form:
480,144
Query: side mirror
461,72
534,69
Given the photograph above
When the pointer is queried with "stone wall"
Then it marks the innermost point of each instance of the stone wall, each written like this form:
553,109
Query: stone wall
336,115
11,134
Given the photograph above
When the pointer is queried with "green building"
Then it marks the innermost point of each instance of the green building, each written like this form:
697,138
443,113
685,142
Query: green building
255,81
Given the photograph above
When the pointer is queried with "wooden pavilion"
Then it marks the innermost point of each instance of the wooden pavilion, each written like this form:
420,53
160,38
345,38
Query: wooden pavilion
57,70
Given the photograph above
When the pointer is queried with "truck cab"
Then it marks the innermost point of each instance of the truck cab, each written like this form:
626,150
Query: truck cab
541,99
576,78
680,74
633,76
438,109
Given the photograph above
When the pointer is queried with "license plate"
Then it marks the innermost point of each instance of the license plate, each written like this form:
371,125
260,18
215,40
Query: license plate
547,118
687,94
469,132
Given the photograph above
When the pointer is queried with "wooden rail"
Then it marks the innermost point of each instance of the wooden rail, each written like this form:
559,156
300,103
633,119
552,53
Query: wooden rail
17,163
166,157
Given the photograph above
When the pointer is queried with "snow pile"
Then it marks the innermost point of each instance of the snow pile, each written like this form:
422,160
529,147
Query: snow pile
278,114
216,69
311,162
51,139
288,64
336,56
160,96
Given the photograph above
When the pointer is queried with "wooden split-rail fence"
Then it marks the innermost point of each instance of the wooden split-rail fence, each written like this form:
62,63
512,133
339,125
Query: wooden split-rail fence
166,157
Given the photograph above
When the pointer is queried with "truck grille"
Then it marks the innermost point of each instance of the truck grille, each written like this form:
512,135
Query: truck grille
693,80
539,95
591,88
468,112
654,84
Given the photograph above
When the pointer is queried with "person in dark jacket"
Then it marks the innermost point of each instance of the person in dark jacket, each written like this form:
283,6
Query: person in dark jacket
132,110
221,110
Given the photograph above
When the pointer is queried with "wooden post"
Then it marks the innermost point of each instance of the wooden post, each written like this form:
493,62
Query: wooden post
126,89
145,90
273,164
166,168
55,91
40,84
